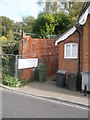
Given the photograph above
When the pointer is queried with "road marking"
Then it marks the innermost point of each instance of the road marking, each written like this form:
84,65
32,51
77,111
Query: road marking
49,100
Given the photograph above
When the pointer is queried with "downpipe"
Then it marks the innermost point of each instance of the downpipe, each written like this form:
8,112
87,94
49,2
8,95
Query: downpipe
79,37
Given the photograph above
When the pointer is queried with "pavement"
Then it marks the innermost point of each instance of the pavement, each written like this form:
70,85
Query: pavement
48,89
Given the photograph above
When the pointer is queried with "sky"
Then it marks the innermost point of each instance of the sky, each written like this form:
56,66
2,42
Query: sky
16,9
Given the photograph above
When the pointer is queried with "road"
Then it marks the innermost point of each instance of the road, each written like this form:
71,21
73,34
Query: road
16,105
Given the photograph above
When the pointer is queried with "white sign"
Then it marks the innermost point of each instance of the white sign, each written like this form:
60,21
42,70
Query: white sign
27,63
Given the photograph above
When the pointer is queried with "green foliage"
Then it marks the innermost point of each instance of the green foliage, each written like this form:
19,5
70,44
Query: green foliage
8,61
73,8
27,23
6,25
10,29
8,65
48,24
10,36
44,25
10,81
11,47
63,22
16,28
3,40
8,71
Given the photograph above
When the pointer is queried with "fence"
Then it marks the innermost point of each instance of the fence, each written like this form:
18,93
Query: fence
8,66
11,68
15,67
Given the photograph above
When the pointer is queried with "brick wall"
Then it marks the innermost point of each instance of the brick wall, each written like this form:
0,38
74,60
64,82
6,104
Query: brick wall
89,43
70,65
86,45
24,52
41,49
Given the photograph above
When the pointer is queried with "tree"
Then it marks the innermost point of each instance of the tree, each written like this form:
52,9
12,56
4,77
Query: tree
10,29
49,6
48,24
73,8
6,25
63,22
27,23
44,25
16,28
10,36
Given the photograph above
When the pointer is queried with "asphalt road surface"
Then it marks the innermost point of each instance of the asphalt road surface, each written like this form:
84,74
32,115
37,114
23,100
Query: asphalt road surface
15,105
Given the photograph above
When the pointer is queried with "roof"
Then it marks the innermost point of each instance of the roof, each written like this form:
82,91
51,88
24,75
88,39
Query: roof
85,7
81,20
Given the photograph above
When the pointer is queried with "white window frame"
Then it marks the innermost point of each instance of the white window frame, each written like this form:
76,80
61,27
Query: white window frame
71,44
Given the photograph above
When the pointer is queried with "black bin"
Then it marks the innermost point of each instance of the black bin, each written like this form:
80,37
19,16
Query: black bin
61,74
36,74
73,82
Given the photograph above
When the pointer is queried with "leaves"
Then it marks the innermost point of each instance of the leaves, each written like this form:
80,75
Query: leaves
57,6
6,25
10,36
48,24
10,81
3,40
44,25
74,10
27,23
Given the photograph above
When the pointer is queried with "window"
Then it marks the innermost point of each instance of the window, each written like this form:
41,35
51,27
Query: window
71,50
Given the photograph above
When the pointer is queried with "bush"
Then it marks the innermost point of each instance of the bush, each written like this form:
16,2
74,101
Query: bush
10,81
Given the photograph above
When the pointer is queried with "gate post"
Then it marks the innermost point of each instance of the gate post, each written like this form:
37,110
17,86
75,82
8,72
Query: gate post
16,67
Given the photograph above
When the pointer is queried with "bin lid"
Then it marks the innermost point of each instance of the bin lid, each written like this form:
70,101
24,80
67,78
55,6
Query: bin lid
87,72
61,71
73,74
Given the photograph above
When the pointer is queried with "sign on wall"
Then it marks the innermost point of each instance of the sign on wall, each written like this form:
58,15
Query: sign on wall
27,63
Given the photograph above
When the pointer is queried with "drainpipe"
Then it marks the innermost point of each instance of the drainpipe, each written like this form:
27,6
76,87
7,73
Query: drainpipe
79,36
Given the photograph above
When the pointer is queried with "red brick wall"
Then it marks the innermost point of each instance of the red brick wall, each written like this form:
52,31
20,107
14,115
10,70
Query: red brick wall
24,52
70,65
89,43
42,49
86,45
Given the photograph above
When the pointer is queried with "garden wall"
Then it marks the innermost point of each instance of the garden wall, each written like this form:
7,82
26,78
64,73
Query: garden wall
44,49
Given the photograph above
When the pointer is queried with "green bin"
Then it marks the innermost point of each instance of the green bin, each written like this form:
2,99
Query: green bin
42,71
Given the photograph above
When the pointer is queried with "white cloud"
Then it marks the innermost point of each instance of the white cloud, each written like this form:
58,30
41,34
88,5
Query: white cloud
16,9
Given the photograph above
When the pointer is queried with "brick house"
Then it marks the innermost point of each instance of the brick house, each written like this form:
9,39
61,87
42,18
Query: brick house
74,45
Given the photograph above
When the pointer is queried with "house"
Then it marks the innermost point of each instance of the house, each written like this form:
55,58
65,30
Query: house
42,49
74,46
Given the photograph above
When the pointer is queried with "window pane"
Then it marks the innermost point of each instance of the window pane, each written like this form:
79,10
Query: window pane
74,51
68,51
